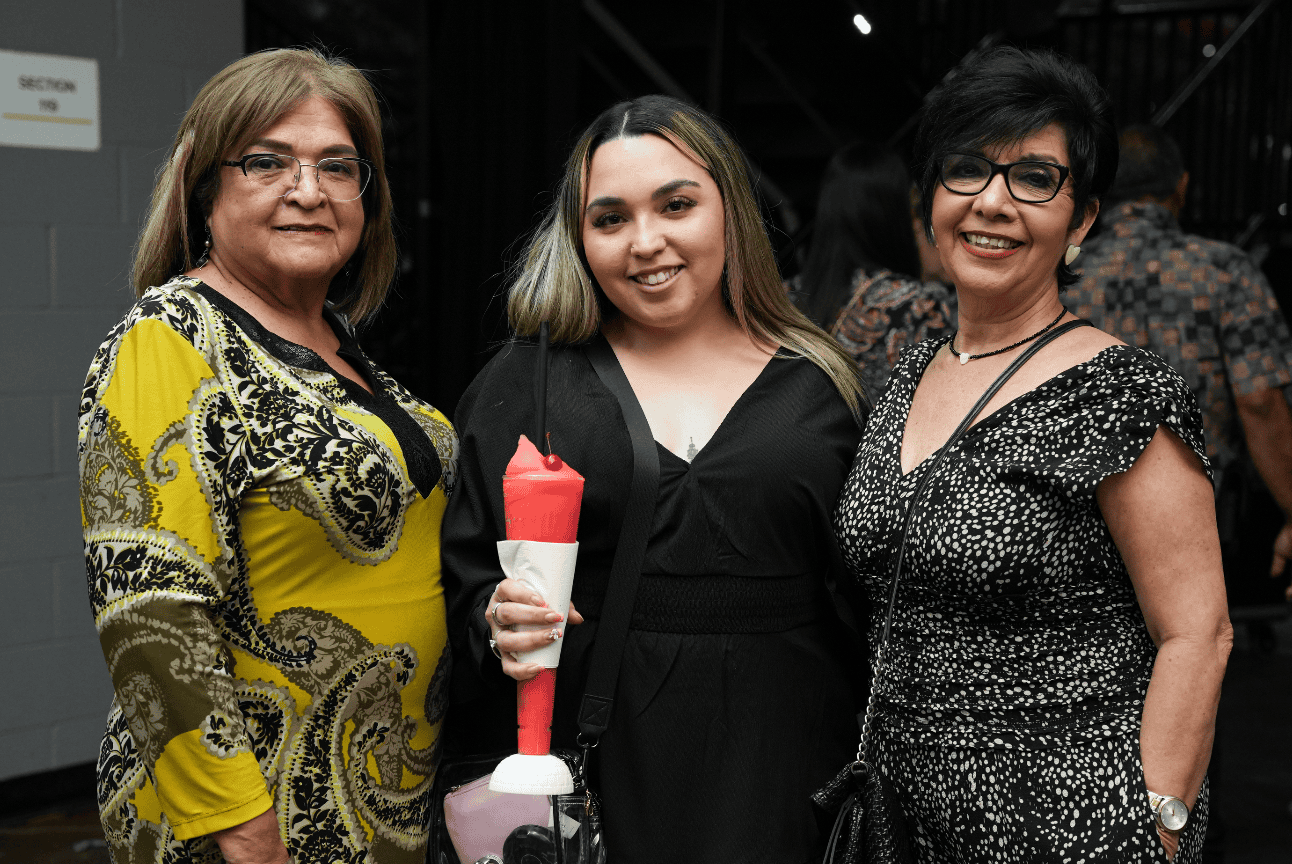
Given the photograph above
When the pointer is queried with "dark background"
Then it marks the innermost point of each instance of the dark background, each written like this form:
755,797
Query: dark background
485,98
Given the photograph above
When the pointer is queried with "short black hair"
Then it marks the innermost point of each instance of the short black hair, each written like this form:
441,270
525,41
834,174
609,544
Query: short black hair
1150,166
1004,96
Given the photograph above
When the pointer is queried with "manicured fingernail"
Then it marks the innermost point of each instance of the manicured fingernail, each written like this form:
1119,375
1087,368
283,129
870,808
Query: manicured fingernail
535,600
552,617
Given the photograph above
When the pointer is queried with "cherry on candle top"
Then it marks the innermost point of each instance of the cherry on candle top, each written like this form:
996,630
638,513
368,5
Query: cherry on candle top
541,496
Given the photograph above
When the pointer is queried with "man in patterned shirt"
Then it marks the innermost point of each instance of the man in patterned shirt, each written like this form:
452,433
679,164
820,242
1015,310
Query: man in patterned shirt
1201,305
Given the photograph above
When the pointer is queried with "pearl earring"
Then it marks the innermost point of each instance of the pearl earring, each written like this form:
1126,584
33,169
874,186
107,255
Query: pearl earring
1071,254
206,250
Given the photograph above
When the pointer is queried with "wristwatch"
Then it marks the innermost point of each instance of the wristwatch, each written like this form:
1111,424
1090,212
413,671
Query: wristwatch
1171,812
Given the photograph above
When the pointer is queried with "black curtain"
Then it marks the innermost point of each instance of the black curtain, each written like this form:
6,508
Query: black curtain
504,109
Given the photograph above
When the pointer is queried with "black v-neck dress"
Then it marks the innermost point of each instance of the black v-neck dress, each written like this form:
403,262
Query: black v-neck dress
1008,713
734,703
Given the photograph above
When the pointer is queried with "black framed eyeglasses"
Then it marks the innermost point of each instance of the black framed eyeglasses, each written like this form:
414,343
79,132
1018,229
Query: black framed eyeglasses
341,178
1031,182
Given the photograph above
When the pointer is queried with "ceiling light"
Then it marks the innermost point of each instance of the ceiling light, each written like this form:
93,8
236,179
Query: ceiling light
861,23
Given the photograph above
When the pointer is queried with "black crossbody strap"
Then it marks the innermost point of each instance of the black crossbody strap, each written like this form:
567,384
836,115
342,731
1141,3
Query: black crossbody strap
625,571
938,458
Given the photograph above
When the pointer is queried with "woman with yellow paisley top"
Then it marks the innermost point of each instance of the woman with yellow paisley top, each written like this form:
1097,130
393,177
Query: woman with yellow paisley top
261,504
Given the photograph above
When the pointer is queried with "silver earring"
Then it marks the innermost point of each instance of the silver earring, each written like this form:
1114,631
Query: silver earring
1071,254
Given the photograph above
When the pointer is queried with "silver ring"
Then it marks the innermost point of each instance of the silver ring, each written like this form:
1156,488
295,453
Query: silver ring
493,646
493,613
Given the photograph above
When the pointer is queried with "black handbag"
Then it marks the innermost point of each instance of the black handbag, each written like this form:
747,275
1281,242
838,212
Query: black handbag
577,818
869,825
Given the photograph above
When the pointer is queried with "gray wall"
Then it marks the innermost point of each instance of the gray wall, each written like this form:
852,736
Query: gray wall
68,221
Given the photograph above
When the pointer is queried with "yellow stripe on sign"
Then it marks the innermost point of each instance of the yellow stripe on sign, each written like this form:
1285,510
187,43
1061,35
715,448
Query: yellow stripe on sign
74,121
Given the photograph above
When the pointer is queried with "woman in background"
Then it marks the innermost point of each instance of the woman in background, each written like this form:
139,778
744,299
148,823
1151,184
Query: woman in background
734,701
261,504
862,278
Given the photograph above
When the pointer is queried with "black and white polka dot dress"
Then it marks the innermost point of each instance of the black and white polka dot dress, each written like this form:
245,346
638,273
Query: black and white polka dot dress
1008,718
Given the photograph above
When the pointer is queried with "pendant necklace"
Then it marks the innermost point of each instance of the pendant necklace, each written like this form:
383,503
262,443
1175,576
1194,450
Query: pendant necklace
965,358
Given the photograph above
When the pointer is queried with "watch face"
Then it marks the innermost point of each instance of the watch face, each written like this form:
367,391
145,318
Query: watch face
1174,814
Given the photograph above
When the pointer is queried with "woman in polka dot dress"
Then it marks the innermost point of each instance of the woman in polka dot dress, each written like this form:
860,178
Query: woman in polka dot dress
1060,633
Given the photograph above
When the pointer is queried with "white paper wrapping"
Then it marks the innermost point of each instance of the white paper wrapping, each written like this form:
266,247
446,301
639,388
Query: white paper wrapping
548,568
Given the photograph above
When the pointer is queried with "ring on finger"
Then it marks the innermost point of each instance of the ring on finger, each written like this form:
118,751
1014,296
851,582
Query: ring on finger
493,613
493,646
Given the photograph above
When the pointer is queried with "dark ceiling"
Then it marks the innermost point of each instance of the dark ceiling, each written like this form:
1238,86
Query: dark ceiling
484,98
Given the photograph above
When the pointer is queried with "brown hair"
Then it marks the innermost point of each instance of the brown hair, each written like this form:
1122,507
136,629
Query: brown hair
552,282
237,104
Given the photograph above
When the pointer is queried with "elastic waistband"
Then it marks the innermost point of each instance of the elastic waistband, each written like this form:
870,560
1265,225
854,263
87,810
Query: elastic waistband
724,604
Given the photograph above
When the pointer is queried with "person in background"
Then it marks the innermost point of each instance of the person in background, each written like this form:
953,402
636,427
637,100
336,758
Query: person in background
1060,633
735,699
1201,305
261,504
861,280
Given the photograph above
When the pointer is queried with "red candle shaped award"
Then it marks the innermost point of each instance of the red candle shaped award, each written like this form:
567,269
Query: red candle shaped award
541,499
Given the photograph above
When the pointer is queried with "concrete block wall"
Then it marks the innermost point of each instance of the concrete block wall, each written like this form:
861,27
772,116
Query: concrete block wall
68,223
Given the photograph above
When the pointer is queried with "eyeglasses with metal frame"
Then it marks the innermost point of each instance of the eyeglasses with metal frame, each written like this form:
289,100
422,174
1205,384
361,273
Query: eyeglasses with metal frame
341,178
970,174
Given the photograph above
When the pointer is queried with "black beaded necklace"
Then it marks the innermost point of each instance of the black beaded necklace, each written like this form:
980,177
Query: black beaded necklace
965,358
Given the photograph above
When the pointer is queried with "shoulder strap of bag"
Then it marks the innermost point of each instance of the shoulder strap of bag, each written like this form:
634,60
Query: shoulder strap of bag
625,571
938,459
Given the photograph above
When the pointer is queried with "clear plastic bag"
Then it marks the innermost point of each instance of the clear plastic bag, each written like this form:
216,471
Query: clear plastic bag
495,828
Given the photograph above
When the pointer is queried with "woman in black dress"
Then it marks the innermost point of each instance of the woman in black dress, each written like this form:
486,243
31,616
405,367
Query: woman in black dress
1060,631
734,703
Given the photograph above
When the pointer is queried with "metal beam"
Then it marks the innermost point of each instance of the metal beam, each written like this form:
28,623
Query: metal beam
826,130
717,55
659,75
621,91
636,51
986,43
1122,8
1167,111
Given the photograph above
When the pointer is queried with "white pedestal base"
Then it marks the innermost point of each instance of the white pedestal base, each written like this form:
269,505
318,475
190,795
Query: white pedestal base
532,775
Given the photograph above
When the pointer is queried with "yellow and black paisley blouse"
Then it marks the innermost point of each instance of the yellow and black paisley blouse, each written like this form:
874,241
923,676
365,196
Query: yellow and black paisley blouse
262,553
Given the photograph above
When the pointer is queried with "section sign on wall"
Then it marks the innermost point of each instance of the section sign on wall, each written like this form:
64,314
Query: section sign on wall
49,101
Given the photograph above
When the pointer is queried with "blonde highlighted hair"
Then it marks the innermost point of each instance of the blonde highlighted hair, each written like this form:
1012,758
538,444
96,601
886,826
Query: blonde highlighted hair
238,104
552,281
